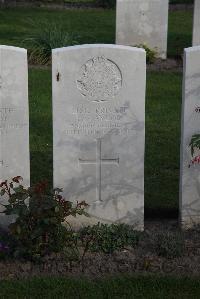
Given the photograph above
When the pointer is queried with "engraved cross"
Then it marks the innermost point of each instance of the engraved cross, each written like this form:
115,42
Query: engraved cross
98,162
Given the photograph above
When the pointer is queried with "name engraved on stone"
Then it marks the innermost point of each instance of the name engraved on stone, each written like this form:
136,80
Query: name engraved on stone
99,161
99,120
99,80
8,117
4,112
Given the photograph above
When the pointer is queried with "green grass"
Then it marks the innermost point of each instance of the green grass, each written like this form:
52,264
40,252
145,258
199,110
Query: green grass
179,32
91,26
162,135
125,287
163,108
40,125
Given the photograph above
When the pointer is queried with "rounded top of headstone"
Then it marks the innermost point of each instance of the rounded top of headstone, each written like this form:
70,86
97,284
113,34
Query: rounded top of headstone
100,46
12,48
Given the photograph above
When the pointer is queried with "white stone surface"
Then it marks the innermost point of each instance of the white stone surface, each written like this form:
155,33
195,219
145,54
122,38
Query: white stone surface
143,22
190,173
99,130
14,117
196,24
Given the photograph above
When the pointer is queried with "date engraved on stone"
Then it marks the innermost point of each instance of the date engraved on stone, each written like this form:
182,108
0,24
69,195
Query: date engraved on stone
99,80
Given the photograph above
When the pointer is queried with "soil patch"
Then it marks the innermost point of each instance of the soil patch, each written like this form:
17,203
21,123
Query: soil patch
141,260
169,64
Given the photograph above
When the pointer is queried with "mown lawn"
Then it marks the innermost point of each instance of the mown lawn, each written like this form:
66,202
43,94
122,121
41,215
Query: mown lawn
90,26
163,106
121,287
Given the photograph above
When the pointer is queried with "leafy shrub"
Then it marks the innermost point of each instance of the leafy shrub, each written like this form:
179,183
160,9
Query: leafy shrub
108,238
39,213
169,245
47,36
150,53
107,3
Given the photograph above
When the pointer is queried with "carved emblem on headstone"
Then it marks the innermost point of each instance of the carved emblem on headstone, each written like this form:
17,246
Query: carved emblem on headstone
100,79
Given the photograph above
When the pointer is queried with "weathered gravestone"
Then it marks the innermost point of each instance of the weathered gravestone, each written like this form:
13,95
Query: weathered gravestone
143,22
190,153
98,124
14,117
196,24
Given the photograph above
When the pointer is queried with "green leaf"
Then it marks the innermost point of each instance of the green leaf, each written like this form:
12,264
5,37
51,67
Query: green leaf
18,229
2,192
57,209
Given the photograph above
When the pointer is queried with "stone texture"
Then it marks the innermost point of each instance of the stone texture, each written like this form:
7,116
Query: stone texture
98,130
196,24
143,22
14,117
189,172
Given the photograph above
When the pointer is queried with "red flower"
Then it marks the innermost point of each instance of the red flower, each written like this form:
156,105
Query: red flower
195,160
17,179
2,184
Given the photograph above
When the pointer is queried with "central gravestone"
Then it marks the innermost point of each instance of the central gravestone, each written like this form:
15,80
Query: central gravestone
98,116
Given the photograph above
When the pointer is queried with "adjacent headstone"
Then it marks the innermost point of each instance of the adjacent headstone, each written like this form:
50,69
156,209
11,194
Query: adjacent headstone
99,130
143,22
196,24
14,117
190,156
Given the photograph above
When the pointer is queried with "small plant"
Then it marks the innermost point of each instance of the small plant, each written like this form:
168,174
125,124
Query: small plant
194,144
169,245
150,53
38,228
47,36
108,238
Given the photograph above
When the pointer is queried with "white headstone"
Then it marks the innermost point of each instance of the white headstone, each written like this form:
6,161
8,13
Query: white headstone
196,24
190,167
143,22
98,130
14,117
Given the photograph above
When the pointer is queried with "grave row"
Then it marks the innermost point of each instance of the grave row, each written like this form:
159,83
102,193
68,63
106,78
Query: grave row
98,129
145,22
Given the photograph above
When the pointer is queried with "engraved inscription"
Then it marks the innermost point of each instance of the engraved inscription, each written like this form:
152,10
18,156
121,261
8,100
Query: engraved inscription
10,119
98,162
99,80
98,121
5,112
